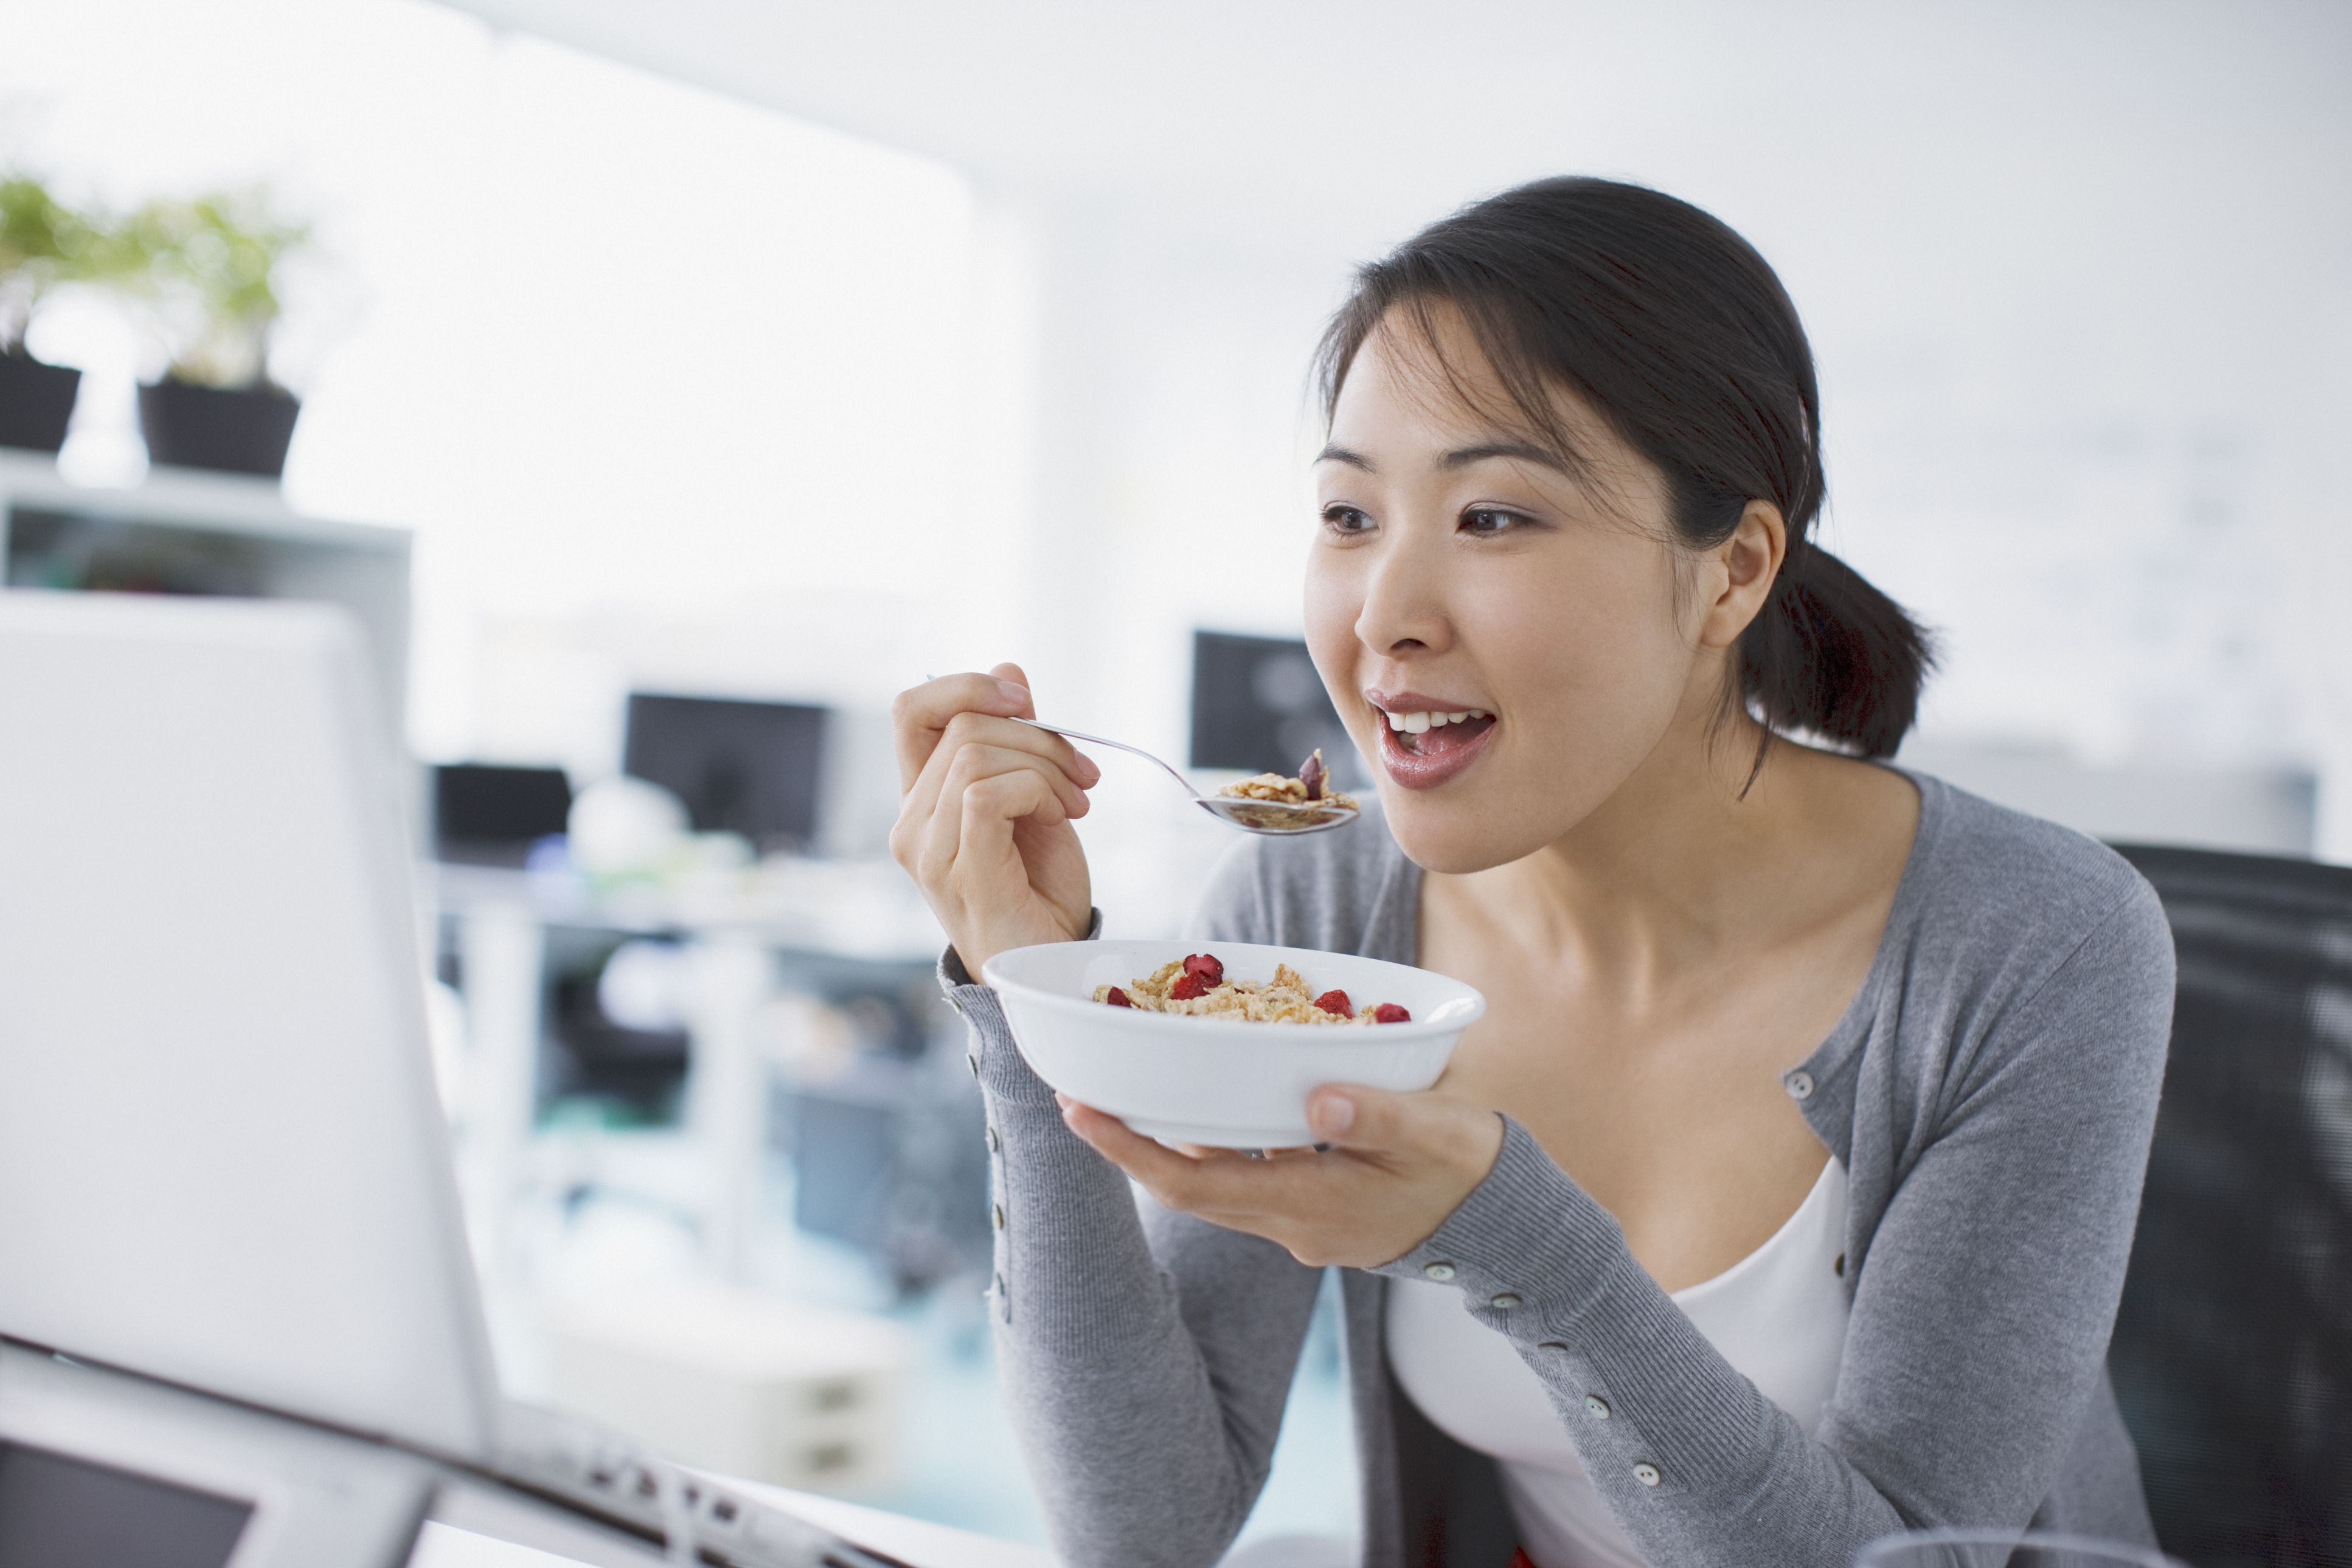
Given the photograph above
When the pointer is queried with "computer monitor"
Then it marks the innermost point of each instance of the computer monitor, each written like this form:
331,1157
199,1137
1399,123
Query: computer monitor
223,1160
1259,705
490,816
752,768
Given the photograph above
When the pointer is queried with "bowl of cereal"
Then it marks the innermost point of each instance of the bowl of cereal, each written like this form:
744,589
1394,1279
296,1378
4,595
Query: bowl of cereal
1220,1043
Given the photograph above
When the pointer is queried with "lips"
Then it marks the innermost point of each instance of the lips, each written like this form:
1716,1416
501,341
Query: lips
1426,741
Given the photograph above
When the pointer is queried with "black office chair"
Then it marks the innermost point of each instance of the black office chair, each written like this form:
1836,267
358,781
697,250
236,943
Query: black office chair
2233,1353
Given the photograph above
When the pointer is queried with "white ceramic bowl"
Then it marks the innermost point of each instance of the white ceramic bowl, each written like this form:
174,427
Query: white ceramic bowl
1215,1081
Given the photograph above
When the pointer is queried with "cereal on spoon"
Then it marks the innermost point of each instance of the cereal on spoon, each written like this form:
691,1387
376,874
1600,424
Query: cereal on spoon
1313,785
1311,791
1196,987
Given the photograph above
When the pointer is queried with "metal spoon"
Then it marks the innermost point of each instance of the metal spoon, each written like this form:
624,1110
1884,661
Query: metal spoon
1249,815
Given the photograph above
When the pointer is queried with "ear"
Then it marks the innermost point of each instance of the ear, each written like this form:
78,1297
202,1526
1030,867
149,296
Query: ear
1748,564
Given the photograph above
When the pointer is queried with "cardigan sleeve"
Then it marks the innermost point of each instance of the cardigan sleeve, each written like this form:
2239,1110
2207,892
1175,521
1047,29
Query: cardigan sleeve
1145,1356
1980,1314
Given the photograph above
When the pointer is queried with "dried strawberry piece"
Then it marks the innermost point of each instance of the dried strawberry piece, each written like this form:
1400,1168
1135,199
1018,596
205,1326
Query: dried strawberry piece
1311,775
1186,987
1336,1002
1118,998
1389,1013
1209,968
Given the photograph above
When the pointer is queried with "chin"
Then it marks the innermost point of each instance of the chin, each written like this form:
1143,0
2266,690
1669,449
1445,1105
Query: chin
1472,821
1458,836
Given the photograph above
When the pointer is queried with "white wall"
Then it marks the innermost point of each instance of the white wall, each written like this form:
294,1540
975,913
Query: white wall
2074,276
2076,284
672,387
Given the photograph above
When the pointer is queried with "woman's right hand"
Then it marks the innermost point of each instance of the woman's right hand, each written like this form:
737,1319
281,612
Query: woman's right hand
984,816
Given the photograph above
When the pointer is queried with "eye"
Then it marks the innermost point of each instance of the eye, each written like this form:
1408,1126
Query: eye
1344,520
1487,521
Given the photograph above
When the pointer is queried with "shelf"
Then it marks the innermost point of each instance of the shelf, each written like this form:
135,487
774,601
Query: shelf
181,530
234,503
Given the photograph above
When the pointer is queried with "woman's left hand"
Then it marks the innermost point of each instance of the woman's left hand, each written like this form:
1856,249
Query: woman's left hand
1396,1166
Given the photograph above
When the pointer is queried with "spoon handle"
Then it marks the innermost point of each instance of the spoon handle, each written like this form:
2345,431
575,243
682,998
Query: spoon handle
1117,745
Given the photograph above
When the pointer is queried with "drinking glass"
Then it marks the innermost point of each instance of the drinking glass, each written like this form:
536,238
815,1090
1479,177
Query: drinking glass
2006,1549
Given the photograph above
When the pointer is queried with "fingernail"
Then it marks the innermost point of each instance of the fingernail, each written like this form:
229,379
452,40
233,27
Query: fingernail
1331,1114
1014,692
1064,1100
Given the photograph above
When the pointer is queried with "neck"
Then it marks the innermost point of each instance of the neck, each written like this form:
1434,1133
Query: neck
1677,863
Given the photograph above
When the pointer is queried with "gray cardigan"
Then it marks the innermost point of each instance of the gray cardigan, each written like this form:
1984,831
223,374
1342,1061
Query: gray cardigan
1992,1089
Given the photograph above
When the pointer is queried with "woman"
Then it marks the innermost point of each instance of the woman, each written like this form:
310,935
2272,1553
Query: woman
1782,1198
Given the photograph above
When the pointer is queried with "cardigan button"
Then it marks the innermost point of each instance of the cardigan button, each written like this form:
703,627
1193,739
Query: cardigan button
1596,1407
996,1212
995,1143
972,1061
1647,1473
1504,1302
1799,1084
1441,1272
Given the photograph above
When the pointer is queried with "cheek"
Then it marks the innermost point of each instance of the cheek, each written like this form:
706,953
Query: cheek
1589,657
1334,601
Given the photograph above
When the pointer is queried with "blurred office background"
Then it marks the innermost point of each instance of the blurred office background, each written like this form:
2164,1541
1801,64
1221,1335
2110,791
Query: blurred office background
730,366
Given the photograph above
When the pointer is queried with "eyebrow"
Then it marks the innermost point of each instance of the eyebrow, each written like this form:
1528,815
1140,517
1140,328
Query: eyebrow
1517,451
1461,458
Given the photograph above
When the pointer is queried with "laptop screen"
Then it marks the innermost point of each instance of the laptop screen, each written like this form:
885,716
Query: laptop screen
61,1513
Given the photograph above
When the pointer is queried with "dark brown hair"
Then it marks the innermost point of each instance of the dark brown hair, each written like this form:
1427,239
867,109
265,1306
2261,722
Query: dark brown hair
1677,334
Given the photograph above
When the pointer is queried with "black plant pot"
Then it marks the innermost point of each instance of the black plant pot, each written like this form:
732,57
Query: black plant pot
243,432
35,401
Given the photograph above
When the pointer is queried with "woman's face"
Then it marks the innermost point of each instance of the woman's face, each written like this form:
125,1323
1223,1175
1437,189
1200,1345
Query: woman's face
1460,569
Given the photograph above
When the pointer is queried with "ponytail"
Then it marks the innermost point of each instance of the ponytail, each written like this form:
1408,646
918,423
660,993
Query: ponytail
1832,656
1673,329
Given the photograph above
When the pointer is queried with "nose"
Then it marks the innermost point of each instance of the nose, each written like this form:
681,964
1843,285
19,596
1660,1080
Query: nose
1403,611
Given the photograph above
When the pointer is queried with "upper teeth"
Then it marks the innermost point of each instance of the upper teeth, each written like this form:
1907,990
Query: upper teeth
1417,723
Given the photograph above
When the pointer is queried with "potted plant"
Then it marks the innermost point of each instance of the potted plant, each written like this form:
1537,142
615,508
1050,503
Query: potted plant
212,272
43,242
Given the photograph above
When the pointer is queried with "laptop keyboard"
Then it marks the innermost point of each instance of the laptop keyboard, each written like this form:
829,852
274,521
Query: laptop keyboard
598,1472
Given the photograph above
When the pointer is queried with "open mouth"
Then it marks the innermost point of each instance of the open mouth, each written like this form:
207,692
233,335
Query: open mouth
1423,747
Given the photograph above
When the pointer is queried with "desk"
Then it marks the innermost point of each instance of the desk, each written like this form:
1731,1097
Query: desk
924,1545
734,930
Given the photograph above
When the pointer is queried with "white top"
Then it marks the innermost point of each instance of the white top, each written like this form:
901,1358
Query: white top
1777,1316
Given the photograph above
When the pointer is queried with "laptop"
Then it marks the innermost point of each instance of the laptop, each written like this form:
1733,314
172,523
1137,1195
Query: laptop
223,1164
